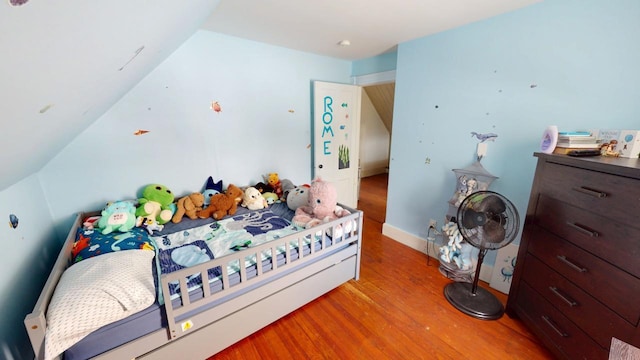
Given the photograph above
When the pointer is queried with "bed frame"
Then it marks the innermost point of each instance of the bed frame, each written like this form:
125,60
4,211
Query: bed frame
200,331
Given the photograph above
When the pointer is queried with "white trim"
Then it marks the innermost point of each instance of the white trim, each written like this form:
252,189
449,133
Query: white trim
420,244
375,78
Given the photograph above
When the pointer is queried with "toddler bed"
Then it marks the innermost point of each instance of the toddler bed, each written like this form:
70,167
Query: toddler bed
255,266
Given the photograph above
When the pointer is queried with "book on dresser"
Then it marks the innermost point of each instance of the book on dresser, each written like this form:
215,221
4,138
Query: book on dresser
576,140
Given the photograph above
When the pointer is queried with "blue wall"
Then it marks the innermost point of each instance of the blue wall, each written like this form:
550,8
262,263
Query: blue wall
572,63
264,125
565,62
376,64
256,84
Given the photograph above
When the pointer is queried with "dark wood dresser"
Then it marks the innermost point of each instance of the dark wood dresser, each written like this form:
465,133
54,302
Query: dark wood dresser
577,279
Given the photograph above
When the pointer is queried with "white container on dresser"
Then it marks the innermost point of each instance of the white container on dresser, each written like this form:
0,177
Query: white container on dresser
577,278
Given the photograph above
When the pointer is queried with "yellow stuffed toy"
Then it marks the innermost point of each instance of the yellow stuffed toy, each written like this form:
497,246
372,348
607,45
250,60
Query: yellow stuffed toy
188,205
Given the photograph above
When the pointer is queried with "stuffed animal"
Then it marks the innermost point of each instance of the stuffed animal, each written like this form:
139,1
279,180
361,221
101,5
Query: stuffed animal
117,216
297,197
90,223
149,224
271,198
321,206
156,203
253,200
188,205
223,204
286,185
263,188
274,181
210,189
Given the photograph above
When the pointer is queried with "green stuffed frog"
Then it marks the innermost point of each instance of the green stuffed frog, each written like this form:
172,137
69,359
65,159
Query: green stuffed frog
155,203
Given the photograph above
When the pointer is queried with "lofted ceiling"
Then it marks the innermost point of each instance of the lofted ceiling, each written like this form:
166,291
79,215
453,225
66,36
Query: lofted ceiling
65,63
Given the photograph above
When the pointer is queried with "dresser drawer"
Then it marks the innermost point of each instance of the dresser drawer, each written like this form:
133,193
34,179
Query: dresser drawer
595,319
616,196
613,241
605,282
551,324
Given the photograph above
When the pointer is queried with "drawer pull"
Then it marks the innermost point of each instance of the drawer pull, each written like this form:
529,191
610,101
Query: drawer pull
583,229
570,264
563,297
553,326
590,192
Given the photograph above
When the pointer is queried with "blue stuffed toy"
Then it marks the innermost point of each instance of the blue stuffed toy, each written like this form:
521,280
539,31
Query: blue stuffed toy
117,216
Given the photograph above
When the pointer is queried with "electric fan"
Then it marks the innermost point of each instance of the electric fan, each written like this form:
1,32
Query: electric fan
487,221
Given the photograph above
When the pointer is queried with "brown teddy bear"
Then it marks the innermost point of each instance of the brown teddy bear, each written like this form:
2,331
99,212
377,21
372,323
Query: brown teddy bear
223,204
188,205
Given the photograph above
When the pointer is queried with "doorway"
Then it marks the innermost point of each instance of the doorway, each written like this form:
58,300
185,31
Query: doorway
376,129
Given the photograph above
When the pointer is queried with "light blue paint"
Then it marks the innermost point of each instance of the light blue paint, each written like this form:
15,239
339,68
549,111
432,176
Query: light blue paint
26,257
564,62
580,55
376,64
254,134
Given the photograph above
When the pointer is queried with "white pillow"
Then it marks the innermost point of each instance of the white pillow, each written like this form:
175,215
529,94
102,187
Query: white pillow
96,292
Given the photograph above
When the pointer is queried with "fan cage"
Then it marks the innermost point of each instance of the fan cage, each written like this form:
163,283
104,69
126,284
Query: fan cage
508,219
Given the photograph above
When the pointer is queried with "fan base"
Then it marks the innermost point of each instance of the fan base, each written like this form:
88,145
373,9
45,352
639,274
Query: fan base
483,305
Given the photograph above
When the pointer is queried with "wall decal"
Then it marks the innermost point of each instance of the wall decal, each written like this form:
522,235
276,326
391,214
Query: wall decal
291,111
215,106
343,157
533,86
13,221
140,132
46,108
133,57
484,137
17,2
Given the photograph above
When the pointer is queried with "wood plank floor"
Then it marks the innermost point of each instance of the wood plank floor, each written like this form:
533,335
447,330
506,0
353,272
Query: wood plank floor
396,310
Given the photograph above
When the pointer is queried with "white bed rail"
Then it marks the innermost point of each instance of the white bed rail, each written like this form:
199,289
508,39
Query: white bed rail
319,236
35,322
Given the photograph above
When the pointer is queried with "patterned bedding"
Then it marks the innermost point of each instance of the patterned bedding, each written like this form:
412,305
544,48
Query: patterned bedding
193,246
125,282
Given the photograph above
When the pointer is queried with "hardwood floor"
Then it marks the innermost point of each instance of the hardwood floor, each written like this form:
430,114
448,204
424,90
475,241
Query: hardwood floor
396,310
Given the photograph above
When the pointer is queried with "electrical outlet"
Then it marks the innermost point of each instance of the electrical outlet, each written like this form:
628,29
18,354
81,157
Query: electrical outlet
433,224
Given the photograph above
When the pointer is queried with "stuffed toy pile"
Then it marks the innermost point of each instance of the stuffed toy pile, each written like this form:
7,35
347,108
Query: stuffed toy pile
156,206
321,207
221,205
253,199
156,203
188,205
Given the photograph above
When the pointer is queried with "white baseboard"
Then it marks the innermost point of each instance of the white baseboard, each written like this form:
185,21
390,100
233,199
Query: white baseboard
420,244
373,171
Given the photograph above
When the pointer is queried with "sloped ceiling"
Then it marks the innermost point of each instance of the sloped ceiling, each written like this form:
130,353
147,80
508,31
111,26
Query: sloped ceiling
64,63
382,97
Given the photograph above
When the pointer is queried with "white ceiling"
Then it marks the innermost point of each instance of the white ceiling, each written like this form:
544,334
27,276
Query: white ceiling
372,26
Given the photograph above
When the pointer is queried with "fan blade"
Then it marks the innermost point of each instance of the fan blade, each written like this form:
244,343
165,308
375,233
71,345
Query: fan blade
471,218
492,204
493,229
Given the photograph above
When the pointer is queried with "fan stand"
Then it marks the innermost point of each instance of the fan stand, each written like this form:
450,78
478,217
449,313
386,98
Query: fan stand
472,300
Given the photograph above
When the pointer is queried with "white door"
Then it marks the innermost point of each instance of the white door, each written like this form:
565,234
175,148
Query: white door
336,137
